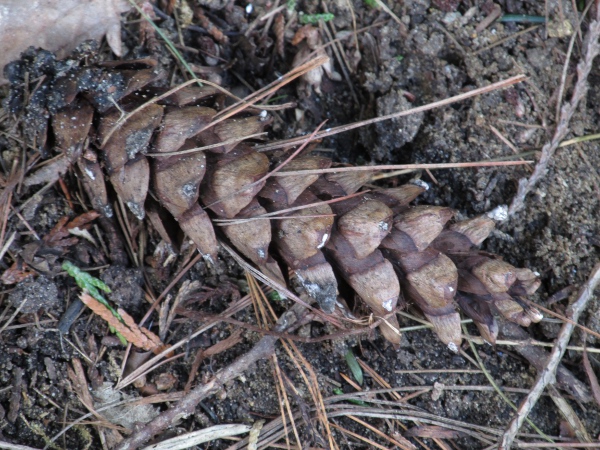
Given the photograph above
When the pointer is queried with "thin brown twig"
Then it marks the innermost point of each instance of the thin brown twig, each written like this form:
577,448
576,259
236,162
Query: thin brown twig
392,410
563,78
206,147
472,430
339,52
7,244
489,19
457,98
266,321
397,397
306,371
304,368
548,375
345,334
170,286
227,222
380,433
530,342
593,380
504,139
567,111
562,445
401,167
11,318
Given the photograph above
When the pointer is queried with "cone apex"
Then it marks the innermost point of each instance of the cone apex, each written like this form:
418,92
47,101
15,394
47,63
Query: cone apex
448,329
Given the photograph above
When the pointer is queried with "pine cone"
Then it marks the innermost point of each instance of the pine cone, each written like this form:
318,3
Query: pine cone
388,252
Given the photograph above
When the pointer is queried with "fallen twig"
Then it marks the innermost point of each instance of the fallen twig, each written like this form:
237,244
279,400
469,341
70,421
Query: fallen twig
584,67
548,375
199,437
187,405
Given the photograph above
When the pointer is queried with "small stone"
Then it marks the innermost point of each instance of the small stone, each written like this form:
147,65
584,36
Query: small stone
451,17
22,342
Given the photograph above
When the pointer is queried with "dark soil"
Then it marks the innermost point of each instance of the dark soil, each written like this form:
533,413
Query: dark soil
436,52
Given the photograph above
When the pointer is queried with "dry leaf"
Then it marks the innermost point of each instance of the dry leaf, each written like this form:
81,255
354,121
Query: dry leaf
16,273
82,220
83,233
57,25
57,237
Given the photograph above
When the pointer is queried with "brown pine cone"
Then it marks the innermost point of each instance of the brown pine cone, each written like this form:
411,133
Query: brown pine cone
389,252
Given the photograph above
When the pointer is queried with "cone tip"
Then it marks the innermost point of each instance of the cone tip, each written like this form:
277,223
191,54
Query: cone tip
320,284
453,347
421,184
448,329
137,209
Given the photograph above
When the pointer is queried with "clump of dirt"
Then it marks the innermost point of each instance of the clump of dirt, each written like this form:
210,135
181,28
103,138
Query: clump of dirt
126,287
36,295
